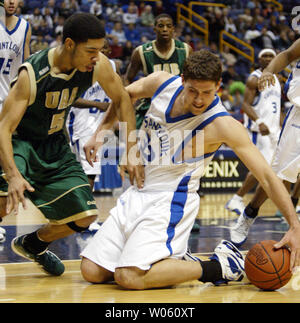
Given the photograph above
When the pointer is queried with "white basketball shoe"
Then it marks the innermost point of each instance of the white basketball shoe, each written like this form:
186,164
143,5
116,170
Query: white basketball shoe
239,232
231,261
235,204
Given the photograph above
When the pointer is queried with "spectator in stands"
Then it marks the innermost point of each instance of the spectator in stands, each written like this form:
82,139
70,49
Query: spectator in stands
24,7
114,13
118,32
132,34
227,57
266,39
59,25
38,44
116,48
147,17
158,8
230,25
48,18
36,20
66,11
96,9
57,41
131,16
216,25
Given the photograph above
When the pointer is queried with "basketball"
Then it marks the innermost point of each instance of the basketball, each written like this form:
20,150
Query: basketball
266,267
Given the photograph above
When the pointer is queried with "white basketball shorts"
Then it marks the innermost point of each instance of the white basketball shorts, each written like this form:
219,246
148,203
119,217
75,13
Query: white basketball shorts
286,161
143,228
265,144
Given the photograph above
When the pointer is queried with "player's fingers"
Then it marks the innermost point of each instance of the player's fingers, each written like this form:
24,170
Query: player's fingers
8,205
280,243
13,203
29,187
88,155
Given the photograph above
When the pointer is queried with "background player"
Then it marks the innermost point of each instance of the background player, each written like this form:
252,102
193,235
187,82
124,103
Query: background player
286,161
83,119
37,161
164,53
142,242
262,115
14,49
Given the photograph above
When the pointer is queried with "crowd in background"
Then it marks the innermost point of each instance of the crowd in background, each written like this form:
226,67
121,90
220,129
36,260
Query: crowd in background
130,23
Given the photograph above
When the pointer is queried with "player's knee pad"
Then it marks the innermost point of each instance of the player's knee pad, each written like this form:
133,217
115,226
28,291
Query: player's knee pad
72,225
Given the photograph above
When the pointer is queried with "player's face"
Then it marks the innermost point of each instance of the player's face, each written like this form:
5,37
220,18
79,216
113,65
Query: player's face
198,95
10,6
164,29
265,59
85,55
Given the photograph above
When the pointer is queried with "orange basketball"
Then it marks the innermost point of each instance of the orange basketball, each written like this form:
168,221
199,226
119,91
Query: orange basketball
266,267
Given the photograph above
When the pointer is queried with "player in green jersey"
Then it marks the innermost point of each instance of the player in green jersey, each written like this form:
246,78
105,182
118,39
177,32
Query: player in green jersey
162,54
35,156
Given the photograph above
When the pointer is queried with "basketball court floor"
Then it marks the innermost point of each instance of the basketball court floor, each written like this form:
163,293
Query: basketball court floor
23,282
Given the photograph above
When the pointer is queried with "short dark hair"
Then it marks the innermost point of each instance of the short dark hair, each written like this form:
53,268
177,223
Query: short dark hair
83,26
162,15
202,65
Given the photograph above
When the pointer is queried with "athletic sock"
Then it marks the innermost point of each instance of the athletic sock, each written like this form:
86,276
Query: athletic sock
33,244
251,212
211,271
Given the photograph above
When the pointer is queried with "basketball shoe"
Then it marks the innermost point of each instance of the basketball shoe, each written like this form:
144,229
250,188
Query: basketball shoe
239,232
47,259
231,261
235,204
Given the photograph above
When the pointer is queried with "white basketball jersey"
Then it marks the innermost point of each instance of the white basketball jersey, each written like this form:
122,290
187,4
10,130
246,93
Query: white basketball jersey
12,44
84,122
292,87
166,142
267,106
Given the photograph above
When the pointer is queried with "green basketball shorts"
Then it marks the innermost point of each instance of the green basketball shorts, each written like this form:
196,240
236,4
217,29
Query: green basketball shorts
62,192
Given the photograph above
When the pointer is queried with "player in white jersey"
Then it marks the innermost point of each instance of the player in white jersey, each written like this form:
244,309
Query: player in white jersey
262,112
14,49
14,46
286,160
142,243
83,120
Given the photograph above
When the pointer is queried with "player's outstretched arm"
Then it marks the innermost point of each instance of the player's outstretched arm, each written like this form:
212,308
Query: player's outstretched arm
236,137
13,110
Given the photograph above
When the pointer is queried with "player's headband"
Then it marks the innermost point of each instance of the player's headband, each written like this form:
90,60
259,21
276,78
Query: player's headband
266,50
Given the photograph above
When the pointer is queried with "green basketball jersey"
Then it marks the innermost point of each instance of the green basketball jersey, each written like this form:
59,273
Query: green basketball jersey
154,61
51,95
172,62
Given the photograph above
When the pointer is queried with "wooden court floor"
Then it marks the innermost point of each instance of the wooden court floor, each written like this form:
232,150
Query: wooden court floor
23,282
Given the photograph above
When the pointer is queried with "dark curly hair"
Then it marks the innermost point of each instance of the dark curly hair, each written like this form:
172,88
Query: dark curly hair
202,65
81,27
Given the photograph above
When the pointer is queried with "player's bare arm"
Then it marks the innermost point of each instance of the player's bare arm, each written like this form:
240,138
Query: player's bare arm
113,87
134,67
86,104
278,64
147,86
249,96
17,98
27,44
235,136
